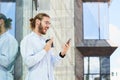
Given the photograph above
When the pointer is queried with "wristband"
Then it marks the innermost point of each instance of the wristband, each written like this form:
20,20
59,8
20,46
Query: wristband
62,56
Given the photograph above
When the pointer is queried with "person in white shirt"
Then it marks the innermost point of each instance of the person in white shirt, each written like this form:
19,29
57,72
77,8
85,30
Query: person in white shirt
37,54
8,49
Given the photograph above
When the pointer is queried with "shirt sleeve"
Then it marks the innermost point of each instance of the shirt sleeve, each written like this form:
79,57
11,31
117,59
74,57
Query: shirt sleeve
55,58
8,52
31,57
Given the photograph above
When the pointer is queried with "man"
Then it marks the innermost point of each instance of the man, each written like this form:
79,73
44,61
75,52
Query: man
36,53
8,49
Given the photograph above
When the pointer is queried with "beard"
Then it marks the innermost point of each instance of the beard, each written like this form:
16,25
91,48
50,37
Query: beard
1,25
0,29
40,29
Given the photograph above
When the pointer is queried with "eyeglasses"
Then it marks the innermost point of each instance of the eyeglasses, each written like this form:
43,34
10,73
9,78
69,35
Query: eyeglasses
47,22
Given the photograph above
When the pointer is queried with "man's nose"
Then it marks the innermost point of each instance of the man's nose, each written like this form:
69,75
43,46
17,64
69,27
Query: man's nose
47,26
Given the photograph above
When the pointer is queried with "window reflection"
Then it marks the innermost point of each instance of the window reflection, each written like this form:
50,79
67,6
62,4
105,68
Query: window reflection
105,62
94,77
94,65
8,8
86,65
91,65
8,43
97,68
95,19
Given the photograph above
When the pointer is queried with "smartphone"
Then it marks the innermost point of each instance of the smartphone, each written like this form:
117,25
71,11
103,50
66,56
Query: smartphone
51,44
68,41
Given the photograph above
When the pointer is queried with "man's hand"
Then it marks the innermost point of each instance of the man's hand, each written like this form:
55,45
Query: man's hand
48,45
65,48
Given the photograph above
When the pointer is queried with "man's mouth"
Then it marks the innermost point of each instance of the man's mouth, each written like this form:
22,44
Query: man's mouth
45,29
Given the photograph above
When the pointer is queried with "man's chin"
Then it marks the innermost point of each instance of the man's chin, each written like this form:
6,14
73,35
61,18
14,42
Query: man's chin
43,33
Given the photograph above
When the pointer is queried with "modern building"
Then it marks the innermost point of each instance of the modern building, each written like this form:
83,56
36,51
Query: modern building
84,21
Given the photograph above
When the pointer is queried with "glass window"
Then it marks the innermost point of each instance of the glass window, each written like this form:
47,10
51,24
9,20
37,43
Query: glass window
95,20
104,23
8,8
90,20
96,68
91,68
91,65
105,77
105,65
86,65
94,65
94,77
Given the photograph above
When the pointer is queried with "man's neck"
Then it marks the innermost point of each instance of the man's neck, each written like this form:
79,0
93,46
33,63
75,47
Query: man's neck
3,30
39,34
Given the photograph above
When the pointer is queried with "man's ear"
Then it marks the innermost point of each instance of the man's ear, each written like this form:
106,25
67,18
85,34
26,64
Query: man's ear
1,22
38,21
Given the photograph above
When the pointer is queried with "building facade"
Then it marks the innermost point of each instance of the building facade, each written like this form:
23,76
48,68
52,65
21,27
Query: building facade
84,21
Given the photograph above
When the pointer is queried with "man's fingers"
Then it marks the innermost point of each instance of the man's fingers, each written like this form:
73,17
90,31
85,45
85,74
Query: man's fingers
51,40
66,45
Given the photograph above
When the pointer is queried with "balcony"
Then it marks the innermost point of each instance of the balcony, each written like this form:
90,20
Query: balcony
97,48
96,0
7,0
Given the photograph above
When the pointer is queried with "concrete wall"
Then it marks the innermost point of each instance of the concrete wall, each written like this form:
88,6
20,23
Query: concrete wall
78,33
62,28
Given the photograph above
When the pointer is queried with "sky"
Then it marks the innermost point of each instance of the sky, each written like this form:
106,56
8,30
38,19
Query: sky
114,30
114,13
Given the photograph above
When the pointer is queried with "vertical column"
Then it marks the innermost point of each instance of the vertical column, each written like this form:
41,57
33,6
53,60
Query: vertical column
19,36
79,65
78,24
78,21
27,14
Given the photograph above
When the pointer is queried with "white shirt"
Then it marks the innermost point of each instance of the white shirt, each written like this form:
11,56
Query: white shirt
8,51
39,62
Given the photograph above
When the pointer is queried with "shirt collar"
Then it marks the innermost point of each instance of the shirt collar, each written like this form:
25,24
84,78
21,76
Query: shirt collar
36,35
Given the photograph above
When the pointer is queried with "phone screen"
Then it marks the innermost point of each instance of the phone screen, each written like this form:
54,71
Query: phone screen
68,41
